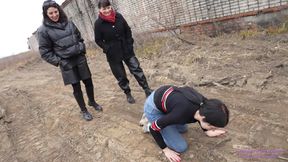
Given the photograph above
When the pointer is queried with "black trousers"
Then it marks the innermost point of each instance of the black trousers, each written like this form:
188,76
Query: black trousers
77,92
119,73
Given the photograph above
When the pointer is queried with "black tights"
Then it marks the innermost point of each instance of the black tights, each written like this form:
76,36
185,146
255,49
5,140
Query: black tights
77,92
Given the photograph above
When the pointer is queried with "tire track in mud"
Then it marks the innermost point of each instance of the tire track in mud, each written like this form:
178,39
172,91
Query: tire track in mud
42,139
33,141
24,130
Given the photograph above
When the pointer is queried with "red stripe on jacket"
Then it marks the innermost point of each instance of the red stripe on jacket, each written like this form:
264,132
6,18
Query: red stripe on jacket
164,98
155,127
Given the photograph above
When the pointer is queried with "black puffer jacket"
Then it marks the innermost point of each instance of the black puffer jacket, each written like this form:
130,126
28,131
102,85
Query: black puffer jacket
115,39
58,42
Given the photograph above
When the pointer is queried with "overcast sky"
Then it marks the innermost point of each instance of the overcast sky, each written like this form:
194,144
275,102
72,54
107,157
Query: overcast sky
19,19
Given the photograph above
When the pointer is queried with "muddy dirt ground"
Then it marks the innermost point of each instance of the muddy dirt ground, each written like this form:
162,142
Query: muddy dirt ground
40,121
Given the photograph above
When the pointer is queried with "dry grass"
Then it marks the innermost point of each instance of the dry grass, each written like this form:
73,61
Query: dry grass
272,30
278,30
150,48
19,60
248,33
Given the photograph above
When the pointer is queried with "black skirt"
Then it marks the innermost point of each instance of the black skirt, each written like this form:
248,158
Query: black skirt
75,73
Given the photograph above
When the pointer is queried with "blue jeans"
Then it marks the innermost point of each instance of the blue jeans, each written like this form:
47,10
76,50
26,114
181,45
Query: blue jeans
171,133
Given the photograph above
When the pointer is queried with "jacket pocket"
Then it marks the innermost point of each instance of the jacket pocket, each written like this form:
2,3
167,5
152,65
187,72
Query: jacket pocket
65,65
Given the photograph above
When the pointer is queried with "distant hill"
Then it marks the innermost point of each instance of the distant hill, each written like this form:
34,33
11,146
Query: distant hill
20,58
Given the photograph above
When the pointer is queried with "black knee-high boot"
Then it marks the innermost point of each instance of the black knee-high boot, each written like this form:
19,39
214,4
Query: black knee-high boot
89,89
134,67
90,93
77,92
79,96
119,73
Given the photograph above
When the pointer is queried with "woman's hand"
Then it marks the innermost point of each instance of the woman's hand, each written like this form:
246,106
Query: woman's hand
172,155
215,132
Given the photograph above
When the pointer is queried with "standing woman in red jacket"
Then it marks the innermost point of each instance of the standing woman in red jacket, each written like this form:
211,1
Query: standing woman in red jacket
113,35
61,44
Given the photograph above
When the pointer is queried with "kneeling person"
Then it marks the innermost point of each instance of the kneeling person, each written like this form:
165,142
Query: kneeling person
170,108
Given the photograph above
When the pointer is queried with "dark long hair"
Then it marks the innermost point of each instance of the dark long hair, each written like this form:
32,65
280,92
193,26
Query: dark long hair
215,111
103,3
51,3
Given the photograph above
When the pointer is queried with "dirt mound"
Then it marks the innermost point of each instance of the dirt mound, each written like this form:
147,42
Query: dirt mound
40,121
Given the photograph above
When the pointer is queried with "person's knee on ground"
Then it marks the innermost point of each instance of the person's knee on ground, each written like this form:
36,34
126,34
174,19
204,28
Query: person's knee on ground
182,128
180,146
174,139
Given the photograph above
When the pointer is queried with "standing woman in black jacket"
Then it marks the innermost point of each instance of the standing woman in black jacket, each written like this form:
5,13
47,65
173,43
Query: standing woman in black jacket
61,44
114,36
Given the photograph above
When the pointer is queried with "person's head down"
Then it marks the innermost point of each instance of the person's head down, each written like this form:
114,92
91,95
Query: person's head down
52,12
215,113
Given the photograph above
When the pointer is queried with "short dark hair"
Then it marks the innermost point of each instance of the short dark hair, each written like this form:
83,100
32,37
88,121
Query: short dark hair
51,3
103,3
215,111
